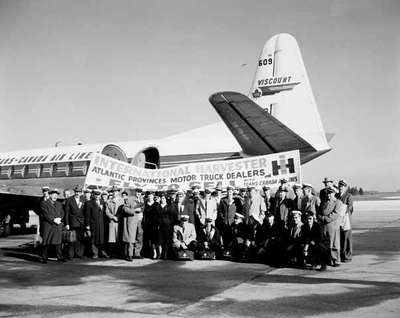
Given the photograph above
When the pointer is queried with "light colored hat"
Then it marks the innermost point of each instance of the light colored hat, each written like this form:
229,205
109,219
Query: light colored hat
307,185
296,212
238,215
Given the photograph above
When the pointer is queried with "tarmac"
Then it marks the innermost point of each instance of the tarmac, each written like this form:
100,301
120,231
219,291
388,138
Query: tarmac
369,286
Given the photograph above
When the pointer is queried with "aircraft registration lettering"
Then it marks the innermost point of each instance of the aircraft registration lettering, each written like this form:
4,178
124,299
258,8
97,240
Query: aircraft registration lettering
264,62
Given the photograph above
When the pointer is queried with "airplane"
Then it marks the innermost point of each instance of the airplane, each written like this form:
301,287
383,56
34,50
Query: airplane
279,114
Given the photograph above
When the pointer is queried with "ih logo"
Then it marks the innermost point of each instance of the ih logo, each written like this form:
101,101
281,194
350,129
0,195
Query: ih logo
282,167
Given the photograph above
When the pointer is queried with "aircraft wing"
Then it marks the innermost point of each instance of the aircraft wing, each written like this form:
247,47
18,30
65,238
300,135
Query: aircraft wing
257,132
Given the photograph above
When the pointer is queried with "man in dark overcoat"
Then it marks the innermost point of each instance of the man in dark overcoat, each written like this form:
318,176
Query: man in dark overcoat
94,222
52,213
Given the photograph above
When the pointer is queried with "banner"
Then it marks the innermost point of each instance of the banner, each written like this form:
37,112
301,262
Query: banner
268,170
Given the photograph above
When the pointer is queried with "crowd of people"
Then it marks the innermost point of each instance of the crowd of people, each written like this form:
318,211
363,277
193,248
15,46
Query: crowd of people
293,226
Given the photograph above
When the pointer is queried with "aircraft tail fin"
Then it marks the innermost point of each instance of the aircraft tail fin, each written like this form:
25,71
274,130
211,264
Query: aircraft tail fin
282,88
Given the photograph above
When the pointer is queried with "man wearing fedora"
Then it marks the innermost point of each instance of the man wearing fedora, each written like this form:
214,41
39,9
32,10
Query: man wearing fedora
346,244
323,194
75,221
94,222
328,216
52,214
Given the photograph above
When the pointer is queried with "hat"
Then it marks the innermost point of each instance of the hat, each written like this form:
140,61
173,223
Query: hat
238,215
282,181
45,188
308,214
171,191
184,216
180,192
297,186
265,188
114,188
78,188
208,220
331,190
54,190
307,185
229,187
268,214
296,212
242,189
87,191
104,192
282,189
343,182
124,192
218,188
139,190
326,180
96,191
150,192
207,190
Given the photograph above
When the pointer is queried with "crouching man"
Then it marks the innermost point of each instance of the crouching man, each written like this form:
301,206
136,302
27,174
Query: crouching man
237,233
294,247
209,241
315,248
272,239
184,239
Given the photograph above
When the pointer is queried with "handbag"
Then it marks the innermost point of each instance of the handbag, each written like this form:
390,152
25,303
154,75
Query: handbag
69,236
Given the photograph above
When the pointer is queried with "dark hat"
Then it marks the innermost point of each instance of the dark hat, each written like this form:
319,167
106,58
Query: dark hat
150,192
208,220
265,188
54,190
218,188
139,190
268,214
331,190
207,190
87,191
282,189
326,180
96,191
78,188
45,188
283,181
124,192
308,214
229,187
172,191
242,189
343,182
297,186
114,188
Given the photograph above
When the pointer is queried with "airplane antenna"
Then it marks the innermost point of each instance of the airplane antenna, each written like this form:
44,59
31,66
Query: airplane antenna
57,143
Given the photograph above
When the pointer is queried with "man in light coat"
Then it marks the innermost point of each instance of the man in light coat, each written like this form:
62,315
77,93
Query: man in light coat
346,241
328,216
310,202
113,216
132,231
206,208
254,207
184,236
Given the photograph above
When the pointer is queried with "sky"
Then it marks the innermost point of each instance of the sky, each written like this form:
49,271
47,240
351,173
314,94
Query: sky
98,71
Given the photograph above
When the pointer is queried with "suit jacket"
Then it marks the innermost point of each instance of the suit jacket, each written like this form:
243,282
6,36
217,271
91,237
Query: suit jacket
254,207
206,209
181,235
213,238
188,208
282,210
310,204
297,203
74,213
226,211
346,198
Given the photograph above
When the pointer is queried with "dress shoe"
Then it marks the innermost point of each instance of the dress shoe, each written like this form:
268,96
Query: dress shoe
129,259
